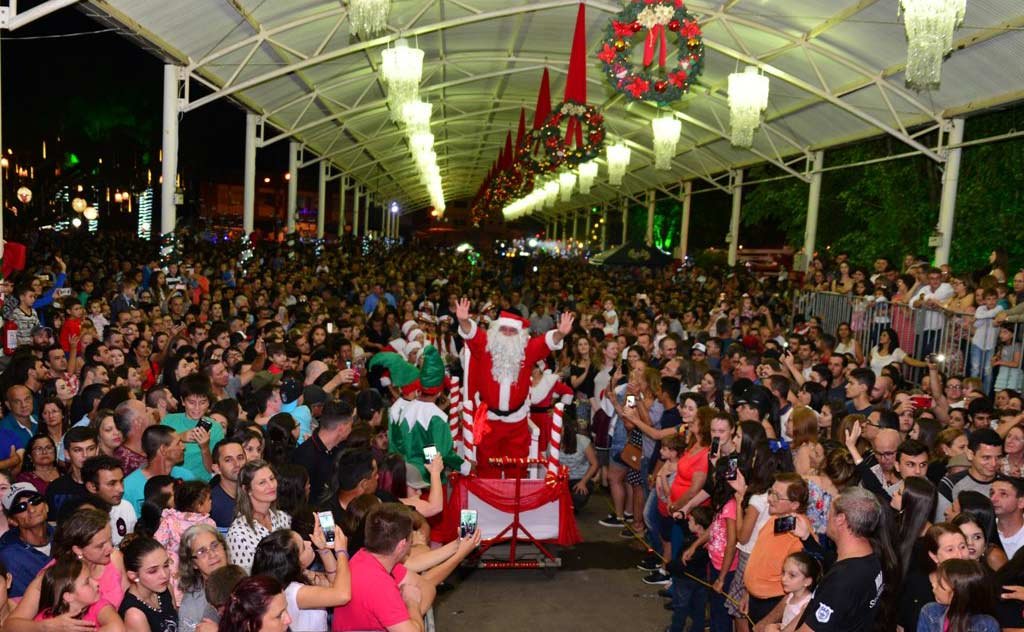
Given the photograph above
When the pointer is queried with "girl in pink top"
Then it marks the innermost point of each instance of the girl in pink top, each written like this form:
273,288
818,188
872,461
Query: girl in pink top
722,545
68,590
192,504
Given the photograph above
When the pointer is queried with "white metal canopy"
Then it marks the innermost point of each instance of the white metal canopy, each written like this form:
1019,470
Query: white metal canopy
835,66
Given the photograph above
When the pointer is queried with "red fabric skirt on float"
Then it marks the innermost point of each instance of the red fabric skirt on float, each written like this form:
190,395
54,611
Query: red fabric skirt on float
545,509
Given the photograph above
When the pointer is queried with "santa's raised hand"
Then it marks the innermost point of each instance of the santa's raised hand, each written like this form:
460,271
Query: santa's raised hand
565,322
462,313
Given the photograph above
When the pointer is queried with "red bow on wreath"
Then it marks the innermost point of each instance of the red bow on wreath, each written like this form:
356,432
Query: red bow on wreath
622,29
655,40
638,86
607,54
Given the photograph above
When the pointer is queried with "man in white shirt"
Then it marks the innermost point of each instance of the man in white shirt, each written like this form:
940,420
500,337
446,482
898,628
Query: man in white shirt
1008,502
104,479
932,297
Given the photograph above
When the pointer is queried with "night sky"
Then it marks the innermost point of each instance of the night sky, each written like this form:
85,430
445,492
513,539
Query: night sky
101,93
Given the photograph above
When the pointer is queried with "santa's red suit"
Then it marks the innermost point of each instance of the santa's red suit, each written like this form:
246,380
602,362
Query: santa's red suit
508,403
543,397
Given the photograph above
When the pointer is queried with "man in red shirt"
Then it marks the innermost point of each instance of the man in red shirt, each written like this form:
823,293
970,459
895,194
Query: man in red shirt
382,598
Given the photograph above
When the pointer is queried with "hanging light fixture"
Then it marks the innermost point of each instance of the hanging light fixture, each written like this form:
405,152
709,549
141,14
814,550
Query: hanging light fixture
551,193
929,25
588,173
421,142
401,69
566,183
416,116
748,98
666,130
368,17
618,160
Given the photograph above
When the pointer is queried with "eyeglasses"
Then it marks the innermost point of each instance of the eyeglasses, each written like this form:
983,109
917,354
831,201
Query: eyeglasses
22,505
209,549
43,449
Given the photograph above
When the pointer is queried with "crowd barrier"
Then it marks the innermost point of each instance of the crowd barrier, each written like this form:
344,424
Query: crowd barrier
921,331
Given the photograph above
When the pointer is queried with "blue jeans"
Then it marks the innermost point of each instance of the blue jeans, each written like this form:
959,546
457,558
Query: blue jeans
652,519
981,366
721,621
689,599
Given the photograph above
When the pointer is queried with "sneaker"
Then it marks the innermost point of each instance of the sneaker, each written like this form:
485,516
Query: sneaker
611,520
658,578
627,515
649,563
626,533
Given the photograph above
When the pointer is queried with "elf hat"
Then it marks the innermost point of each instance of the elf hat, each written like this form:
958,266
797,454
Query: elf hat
432,371
403,375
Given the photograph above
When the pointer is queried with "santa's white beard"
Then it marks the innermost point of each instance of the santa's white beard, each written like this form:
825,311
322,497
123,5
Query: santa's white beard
507,353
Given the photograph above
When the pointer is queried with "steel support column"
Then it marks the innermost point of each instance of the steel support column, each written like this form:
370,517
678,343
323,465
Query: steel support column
813,205
684,229
169,166
293,184
950,183
249,175
342,188
734,224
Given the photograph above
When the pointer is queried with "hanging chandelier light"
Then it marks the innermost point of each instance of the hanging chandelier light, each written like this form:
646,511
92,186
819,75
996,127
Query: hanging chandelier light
666,130
551,193
401,69
929,25
566,183
618,160
416,116
748,98
368,17
588,173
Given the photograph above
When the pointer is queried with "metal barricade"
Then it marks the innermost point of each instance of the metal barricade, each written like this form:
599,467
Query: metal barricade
951,336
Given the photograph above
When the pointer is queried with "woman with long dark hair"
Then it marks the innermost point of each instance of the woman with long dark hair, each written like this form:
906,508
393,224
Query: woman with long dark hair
963,600
257,604
286,556
712,387
40,465
914,503
577,454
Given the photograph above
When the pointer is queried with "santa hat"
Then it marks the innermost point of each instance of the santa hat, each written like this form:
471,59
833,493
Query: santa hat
513,320
432,372
403,375
407,326
413,334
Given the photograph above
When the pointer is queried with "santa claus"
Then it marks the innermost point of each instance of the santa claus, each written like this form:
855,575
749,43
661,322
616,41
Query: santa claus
498,364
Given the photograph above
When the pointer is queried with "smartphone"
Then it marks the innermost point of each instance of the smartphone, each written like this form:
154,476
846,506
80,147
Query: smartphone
330,328
429,452
785,524
714,447
631,401
62,292
326,519
205,424
921,402
732,466
467,523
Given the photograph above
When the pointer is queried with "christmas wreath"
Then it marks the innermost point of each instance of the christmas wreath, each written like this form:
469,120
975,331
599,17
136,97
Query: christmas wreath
533,157
584,134
656,79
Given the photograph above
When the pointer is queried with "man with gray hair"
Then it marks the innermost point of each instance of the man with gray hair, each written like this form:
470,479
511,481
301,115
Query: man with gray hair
132,418
849,596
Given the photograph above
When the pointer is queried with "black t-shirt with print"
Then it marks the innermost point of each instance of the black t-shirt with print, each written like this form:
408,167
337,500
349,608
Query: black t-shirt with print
848,597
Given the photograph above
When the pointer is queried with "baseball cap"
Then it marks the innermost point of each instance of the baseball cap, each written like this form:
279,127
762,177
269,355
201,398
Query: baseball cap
700,346
264,379
291,389
313,395
21,489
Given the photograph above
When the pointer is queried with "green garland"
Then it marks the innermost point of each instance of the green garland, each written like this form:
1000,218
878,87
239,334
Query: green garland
663,23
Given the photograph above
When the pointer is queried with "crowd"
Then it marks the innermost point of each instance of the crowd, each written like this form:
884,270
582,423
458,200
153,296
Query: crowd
203,443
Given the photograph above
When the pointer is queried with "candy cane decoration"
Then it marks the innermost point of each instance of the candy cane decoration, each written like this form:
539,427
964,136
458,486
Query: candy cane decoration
468,446
454,410
555,442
